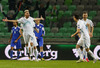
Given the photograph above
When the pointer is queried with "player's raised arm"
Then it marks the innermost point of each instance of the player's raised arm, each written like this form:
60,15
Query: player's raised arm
78,30
39,18
6,20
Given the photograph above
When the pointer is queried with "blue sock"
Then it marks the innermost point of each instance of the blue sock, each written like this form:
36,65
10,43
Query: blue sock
18,53
11,53
41,54
84,57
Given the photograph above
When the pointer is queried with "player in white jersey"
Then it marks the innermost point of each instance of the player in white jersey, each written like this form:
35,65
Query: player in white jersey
87,21
28,35
84,40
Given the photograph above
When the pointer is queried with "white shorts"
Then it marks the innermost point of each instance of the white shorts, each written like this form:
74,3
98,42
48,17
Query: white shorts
84,42
30,38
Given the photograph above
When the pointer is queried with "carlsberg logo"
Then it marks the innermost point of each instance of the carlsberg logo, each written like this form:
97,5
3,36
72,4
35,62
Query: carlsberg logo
48,53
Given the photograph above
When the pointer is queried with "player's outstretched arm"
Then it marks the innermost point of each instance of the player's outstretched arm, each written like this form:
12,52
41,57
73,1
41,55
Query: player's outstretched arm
6,20
39,18
78,30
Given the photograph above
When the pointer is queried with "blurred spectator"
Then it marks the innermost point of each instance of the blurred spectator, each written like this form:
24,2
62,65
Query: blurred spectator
20,4
11,15
54,17
42,10
26,4
12,4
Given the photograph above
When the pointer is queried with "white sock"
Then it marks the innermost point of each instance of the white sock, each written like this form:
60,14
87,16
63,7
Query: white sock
91,53
36,53
85,53
31,51
27,49
80,53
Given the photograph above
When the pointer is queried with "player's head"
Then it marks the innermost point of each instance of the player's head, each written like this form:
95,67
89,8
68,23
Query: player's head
85,15
26,13
37,21
15,23
76,17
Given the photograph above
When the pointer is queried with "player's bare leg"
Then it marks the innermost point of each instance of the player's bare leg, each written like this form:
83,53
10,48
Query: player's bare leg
91,54
80,54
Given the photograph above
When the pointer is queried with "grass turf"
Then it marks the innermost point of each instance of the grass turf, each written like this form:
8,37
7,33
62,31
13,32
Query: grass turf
48,64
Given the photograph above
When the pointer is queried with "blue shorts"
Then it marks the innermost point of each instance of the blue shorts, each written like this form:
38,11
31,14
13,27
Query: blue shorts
40,42
18,44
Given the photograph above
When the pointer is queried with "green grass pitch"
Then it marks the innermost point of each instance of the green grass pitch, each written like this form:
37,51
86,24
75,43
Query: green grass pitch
48,64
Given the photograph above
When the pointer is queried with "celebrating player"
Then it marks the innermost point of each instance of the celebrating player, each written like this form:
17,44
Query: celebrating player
15,39
39,36
84,38
28,35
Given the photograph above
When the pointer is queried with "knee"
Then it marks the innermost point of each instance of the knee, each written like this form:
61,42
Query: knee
77,46
11,48
26,45
35,47
41,48
87,49
31,44
18,49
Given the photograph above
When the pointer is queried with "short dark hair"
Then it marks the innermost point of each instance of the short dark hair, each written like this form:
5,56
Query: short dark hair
84,12
76,16
17,23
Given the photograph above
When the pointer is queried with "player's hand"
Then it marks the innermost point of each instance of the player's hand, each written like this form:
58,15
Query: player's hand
42,34
16,41
72,35
5,20
91,35
36,37
42,18
9,41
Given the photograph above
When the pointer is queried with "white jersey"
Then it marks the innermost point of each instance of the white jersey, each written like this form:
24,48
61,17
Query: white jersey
82,26
27,25
88,21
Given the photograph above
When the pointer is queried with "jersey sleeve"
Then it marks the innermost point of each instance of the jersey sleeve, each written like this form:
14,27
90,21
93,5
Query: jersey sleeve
78,26
34,25
43,30
91,23
33,19
12,30
20,20
21,26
